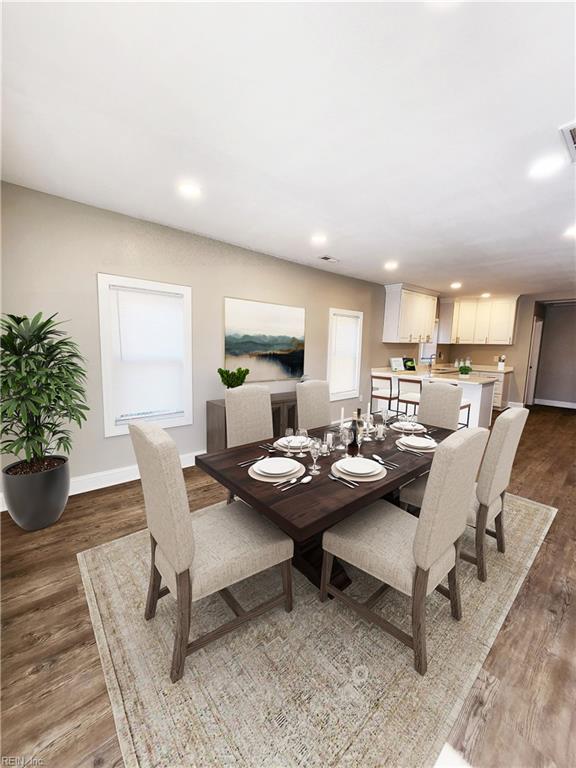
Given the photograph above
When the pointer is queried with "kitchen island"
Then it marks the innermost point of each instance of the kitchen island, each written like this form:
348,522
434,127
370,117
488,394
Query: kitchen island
477,390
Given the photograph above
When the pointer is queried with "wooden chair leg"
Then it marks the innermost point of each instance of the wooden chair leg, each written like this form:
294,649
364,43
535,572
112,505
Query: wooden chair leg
481,522
287,584
154,583
230,498
499,524
325,575
184,601
454,585
419,620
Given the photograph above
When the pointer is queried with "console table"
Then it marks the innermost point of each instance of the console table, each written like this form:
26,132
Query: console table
284,415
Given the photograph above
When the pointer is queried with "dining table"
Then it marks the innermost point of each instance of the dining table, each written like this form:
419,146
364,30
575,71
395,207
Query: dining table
305,511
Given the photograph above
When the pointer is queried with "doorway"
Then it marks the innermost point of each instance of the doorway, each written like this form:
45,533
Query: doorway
533,359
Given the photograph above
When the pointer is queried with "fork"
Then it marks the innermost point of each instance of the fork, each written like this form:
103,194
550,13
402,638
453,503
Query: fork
349,483
249,461
409,450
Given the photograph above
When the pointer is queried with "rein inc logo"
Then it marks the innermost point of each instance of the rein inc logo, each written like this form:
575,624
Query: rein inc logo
20,761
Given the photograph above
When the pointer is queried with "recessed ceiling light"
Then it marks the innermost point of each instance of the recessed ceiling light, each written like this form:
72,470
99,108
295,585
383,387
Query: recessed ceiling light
485,295
190,190
571,231
318,239
391,265
546,166
455,285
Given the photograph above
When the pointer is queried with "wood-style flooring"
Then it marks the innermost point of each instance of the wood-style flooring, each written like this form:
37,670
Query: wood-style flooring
520,713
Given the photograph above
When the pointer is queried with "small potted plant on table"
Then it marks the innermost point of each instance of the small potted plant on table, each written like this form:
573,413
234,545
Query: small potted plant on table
232,379
43,380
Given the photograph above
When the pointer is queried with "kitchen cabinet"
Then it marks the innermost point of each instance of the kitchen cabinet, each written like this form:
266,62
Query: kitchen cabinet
477,321
409,315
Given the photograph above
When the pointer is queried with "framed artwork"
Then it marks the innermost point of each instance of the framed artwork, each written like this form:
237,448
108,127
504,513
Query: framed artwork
266,338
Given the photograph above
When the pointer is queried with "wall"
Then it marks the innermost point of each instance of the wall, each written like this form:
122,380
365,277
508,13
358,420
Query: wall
556,378
53,248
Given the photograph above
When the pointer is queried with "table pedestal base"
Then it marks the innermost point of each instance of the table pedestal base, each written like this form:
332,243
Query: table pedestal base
308,560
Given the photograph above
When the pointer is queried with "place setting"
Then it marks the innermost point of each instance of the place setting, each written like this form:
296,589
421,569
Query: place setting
352,470
419,445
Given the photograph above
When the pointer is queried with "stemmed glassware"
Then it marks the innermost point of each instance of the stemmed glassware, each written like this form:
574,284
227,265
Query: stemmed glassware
302,433
341,444
288,434
403,420
368,427
314,448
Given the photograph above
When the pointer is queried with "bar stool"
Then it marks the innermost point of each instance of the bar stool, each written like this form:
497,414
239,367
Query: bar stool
465,407
383,391
409,397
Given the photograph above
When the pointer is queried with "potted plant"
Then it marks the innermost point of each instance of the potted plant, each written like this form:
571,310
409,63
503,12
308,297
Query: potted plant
43,380
465,371
232,379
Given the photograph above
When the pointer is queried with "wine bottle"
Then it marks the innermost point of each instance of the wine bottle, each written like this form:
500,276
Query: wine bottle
353,445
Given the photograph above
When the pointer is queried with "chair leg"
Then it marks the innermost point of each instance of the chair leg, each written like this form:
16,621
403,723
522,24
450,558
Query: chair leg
230,498
481,522
154,583
325,575
454,585
499,524
183,600
287,584
419,620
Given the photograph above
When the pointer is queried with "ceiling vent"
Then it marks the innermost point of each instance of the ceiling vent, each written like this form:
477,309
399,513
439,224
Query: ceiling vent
331,259
569,133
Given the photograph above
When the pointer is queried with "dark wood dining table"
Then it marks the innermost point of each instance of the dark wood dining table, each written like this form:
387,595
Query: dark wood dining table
305,511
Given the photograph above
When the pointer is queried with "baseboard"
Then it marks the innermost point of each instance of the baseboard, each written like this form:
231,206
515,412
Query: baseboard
109,477
555,403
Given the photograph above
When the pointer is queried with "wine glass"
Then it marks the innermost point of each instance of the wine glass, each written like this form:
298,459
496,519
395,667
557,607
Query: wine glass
315,453
402,420
303,433
288,434
341,444
368,428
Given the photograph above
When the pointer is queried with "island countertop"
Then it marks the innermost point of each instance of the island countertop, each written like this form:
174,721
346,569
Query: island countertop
480,381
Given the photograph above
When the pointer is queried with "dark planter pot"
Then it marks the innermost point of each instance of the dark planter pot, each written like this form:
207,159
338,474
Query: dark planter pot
36,501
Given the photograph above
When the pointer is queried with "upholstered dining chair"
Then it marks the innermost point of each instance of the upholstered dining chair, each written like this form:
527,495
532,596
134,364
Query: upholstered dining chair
248,416
440,404
313,401
196,555
408,554
487,506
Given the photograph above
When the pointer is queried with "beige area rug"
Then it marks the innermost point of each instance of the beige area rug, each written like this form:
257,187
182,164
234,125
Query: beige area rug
316,687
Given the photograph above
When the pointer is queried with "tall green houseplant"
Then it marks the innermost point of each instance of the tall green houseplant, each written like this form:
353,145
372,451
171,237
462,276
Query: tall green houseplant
43,391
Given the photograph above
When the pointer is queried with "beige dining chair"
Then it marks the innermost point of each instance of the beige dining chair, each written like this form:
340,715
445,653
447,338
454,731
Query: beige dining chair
248,417
313,401
198,554
408,554
439,404
493,479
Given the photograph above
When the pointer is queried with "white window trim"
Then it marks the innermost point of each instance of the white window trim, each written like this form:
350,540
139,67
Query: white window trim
105,281
352,393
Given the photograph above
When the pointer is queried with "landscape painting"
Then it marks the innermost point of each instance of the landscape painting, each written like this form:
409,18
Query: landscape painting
266,338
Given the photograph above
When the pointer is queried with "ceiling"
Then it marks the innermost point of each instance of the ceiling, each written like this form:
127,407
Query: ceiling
402,131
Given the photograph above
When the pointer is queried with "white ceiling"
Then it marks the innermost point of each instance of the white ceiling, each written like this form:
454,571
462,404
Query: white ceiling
403,131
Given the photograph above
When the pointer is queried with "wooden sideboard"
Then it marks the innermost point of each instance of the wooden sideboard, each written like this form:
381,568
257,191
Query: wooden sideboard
284,415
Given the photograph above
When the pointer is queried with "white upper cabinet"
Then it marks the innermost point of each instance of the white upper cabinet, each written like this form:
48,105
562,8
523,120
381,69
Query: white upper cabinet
477,321
408,315
502,315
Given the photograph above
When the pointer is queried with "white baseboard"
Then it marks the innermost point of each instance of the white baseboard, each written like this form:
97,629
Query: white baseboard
96,480
555,403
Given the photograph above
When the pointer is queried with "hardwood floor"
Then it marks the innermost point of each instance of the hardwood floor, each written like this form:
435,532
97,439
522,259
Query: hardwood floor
520,713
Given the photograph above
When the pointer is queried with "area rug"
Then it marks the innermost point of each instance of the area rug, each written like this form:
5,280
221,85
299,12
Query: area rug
316,687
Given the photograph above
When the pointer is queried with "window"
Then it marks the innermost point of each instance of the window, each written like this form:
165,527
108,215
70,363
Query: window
146,347
344,353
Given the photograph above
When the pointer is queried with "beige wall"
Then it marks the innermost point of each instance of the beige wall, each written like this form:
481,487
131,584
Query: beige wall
53,248
556,378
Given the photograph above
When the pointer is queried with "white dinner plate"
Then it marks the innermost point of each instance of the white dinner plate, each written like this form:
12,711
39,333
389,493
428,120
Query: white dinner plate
276,466
421,443
293,442
291,473
358,466
408,427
